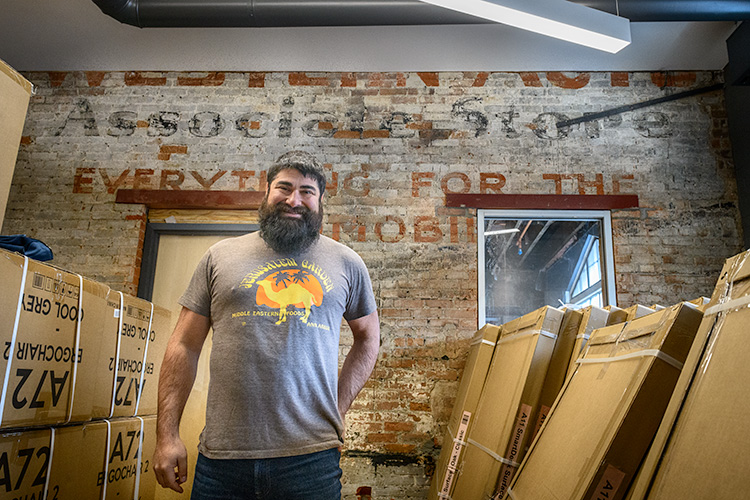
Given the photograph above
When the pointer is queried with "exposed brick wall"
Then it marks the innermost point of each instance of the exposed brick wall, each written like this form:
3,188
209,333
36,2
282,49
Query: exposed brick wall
393,145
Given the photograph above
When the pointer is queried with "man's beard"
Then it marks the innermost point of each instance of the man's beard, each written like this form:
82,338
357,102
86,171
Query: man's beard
289,234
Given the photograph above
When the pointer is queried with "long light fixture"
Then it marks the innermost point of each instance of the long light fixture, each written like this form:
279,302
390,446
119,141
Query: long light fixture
556,18
502,231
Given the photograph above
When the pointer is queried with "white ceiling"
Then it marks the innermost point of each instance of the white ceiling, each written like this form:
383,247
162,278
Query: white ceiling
65,35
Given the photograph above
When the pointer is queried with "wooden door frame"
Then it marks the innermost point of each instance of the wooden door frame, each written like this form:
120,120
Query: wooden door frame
154,231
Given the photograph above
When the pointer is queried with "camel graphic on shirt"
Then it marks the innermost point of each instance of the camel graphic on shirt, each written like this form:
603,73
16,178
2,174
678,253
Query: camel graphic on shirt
297,288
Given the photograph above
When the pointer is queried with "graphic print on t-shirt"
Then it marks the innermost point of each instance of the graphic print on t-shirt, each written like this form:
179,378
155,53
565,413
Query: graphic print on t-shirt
288,289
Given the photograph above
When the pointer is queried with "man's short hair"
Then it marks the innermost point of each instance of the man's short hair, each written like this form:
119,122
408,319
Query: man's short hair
302,162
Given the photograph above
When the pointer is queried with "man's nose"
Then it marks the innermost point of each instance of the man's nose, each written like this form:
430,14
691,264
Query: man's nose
294,199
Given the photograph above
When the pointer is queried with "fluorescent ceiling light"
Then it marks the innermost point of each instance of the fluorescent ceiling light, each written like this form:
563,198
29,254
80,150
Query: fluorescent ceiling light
502,231
556,18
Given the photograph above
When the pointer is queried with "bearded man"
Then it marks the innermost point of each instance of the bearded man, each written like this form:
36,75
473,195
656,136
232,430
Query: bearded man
275,300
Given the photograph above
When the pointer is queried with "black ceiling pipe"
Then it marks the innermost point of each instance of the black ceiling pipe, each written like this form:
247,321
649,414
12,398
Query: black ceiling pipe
297,13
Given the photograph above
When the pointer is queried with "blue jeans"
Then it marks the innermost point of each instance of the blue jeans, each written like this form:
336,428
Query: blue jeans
316,476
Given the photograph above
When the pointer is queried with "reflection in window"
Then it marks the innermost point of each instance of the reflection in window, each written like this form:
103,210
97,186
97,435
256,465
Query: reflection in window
530,260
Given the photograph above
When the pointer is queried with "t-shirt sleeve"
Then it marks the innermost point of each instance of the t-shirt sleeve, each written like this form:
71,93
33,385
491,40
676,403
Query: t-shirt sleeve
361,297
197,296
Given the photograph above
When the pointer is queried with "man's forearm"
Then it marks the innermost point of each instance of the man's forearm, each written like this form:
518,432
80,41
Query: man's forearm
360,360
175,383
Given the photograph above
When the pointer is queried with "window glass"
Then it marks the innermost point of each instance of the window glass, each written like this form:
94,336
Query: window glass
532,259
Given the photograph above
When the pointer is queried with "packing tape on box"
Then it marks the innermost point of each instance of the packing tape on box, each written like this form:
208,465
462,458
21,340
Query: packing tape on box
494,455
143,365
140,458
49,461
516,336
638,354
121,313
13,337
729,305
77,346
106,456
482,341
583,336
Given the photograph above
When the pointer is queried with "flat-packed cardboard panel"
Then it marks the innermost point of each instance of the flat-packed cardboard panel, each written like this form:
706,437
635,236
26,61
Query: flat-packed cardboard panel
603,422
15,92
558,365
636,311
508,404
593,319
451,460
701,448
616,315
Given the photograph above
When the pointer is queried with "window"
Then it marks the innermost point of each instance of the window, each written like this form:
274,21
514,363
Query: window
586,285
529,259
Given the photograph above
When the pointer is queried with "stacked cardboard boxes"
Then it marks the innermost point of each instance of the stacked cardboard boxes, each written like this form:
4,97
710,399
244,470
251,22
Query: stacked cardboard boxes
75,352
101,459
604,419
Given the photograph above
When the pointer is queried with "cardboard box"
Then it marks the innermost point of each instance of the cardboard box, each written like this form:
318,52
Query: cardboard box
451,460
558,365
75,474
593,319
701,448
603,422
144,333
24,457
508,404
15,92
56,352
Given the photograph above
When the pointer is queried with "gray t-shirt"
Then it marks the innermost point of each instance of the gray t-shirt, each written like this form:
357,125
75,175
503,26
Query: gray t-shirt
274,363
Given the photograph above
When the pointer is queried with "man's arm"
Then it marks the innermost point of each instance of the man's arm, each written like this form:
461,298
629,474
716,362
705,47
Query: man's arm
361,359
175,382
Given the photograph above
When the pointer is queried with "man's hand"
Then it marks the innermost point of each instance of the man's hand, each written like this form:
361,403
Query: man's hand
170,464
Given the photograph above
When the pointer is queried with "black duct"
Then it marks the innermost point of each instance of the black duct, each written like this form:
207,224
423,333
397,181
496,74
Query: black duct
297,13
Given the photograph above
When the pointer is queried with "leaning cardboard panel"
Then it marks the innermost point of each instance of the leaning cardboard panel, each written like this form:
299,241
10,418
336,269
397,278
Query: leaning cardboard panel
701,449
24,462
508,404
52,346
593,319
15,91
603,422
477,364
558,365
637,311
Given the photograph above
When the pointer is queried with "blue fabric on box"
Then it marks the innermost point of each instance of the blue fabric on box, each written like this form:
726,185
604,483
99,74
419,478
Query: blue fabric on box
30,247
